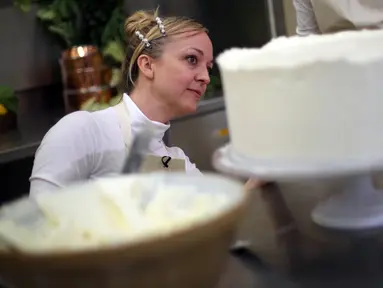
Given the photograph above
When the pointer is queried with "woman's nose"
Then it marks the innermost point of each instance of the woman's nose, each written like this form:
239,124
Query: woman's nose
203,76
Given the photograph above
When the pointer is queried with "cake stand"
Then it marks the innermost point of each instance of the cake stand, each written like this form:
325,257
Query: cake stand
357,206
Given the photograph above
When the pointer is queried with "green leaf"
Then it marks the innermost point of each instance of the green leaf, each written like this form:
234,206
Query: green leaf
95,107
115,100
6,92
8,98
63,9
23,5
116,77
114,27
115,50
88,104
103,106
64,31
46,14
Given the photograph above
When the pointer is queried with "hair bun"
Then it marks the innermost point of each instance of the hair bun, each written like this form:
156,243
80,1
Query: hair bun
141,21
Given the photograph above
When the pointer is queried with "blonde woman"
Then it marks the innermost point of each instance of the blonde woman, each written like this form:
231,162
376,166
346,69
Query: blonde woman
166,71
329,16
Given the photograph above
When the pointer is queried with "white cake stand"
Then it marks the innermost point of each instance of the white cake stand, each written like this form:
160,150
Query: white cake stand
359,206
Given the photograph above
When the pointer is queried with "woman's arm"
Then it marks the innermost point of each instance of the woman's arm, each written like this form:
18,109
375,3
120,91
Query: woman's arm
65,155
306,20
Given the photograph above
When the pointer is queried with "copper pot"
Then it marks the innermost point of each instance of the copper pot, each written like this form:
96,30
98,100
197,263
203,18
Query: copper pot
80,57
84,76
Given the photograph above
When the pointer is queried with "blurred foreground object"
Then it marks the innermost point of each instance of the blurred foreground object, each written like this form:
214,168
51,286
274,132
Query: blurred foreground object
189,253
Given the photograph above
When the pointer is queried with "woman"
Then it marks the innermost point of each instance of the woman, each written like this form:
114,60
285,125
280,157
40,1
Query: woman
328,16
166,71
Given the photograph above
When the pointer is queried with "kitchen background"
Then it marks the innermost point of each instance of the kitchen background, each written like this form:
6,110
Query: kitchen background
29,65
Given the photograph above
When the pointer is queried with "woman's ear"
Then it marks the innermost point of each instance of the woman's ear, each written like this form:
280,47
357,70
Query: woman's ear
145,64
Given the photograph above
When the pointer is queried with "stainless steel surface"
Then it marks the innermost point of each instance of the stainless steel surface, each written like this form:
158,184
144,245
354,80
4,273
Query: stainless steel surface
270,13
198,134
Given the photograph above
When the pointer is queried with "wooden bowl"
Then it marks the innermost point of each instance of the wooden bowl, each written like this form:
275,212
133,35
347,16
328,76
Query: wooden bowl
188,258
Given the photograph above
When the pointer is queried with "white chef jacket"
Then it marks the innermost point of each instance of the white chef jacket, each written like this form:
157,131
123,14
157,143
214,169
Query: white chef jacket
328,16
87,145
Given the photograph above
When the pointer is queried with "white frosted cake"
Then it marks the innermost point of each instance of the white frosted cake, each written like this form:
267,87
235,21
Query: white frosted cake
311,99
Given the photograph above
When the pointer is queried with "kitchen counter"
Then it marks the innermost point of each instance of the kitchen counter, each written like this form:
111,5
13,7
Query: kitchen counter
24,141
39,109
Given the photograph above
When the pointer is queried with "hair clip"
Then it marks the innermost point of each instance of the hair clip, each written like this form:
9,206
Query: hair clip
143,39
161,26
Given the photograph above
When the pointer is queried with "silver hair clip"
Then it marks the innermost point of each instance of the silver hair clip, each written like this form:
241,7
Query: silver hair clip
143,39
161,26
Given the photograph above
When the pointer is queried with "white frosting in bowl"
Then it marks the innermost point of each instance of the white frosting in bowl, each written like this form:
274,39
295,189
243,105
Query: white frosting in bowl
123,210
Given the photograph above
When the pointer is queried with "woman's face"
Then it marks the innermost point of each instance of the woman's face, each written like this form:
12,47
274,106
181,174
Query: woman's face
181,74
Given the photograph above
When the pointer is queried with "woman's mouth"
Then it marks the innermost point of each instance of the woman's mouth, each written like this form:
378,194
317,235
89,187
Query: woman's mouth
197,93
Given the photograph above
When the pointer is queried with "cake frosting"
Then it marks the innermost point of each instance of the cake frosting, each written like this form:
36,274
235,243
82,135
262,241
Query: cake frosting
307,99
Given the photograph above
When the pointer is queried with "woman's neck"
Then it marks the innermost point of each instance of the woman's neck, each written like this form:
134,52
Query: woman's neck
150,106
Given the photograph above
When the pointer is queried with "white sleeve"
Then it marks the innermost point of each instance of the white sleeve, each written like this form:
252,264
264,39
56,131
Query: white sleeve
306,20
66,154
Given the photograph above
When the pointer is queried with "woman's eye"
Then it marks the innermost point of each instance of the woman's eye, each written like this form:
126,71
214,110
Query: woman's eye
192,59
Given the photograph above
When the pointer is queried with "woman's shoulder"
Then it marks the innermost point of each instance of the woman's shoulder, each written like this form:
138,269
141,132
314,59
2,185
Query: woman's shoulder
73,123
85,127
85,118
85,121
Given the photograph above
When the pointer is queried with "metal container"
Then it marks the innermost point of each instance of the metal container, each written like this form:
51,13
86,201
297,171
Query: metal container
84,76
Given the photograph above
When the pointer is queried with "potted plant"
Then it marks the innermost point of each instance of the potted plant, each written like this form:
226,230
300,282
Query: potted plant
96,25
8,109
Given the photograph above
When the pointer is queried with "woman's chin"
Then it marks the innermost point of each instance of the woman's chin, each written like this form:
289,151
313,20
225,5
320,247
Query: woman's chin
188,109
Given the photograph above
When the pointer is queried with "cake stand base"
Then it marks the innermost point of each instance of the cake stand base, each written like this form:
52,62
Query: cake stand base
358,206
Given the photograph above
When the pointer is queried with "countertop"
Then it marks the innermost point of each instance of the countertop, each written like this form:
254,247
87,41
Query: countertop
362,267
24,141
39,109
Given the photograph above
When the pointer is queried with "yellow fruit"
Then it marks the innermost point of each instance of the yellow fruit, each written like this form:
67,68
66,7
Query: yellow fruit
3,110
223,132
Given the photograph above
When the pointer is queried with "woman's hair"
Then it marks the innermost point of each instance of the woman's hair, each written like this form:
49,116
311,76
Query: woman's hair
146,24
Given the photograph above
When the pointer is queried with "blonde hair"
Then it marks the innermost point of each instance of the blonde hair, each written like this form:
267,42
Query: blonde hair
145,22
